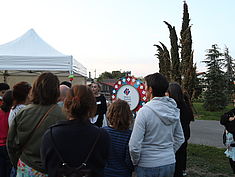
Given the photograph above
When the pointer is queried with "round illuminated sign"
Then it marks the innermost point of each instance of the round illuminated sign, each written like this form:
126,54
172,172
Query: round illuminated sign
131,90
129,94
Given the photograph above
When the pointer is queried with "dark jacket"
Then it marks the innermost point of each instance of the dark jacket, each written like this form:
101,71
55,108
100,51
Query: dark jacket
20,144
74,140
101,109
186,116
229,125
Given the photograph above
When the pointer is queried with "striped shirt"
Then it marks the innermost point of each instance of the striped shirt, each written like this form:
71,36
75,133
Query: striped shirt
119,163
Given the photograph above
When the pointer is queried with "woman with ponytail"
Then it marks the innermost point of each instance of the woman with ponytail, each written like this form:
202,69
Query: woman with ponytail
72,140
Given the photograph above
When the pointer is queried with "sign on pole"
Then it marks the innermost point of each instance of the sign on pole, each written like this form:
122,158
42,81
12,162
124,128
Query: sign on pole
130,90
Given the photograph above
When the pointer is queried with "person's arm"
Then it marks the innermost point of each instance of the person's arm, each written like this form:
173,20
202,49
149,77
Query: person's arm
178,136
137,137
103,105
225,117
13,143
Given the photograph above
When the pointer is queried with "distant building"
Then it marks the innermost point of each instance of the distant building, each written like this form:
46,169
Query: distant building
107,86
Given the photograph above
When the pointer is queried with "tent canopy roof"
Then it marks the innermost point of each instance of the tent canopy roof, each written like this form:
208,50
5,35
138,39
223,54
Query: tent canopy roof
31,52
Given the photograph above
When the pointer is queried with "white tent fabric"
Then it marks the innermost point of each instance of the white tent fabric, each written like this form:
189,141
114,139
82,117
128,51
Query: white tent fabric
31,53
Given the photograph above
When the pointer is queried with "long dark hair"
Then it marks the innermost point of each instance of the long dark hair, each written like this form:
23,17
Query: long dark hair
7,101
175,92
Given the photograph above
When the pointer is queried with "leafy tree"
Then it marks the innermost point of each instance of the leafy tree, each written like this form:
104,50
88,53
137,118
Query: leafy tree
175,61
215,96
229,72
112,75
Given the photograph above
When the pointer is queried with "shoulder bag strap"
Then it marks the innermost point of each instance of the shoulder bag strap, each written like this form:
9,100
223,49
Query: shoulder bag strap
60,156
38,125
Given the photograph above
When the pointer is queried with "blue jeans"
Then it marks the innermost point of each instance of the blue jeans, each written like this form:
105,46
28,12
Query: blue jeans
162,171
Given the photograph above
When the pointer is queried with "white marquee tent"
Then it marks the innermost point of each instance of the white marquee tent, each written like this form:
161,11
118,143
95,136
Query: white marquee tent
31,53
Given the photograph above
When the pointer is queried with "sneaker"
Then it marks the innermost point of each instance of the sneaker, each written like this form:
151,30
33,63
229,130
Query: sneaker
184,173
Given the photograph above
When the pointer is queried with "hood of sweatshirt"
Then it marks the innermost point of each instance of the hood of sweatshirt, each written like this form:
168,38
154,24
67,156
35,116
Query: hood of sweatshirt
165,109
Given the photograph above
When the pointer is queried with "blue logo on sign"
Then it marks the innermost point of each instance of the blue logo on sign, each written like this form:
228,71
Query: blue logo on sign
127,91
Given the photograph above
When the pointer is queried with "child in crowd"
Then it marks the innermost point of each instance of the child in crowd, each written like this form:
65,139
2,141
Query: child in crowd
119,163
228,120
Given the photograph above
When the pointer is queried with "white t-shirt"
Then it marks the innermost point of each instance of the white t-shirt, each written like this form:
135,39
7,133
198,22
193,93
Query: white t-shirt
13,113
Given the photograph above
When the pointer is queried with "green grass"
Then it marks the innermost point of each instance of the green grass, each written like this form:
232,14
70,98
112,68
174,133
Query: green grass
206,161
202,114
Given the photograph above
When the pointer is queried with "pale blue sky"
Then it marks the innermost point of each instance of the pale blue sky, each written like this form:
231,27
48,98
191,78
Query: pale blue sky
111,35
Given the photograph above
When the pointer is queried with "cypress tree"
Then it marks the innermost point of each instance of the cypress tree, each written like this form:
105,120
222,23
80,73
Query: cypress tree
160,58
186,65
175,61
166,56
164,60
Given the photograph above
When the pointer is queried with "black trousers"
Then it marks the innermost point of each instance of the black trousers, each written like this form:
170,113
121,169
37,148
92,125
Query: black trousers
5,164
232,164
181,160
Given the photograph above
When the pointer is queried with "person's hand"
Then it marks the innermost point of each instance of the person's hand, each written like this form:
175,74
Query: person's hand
231,118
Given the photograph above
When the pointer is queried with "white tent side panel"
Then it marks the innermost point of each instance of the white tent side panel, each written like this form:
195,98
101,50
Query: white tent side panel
35,63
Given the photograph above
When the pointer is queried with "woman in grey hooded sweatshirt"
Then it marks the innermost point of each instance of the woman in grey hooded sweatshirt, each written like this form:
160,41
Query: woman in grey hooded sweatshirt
157,132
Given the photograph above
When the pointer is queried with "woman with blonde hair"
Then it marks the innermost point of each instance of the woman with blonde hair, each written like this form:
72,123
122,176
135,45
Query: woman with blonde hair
120,117
76,141
30,123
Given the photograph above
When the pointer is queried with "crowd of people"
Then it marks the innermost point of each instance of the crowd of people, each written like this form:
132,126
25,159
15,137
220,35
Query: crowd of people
57,129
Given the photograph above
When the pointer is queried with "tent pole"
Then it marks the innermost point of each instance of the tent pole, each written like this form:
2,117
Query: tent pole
5,74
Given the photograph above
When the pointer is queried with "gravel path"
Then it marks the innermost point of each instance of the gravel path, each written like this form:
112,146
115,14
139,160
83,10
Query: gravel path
207,132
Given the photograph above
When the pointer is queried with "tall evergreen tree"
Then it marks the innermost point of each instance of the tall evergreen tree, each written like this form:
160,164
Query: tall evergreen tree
187,65
229,72
160,55
215,96
164,60
175,61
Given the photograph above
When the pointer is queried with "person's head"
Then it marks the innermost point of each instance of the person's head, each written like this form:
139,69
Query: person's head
175,91
63,92
7,101
95,87
68,84
80,103
3,88
119,115
21,92
155,85
45,89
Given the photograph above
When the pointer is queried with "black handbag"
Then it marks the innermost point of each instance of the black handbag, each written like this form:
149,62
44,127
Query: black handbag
67,171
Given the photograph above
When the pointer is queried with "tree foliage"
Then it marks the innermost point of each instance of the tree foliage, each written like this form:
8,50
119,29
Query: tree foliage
164,60
215,96
229,73
182,70
111,75
175,61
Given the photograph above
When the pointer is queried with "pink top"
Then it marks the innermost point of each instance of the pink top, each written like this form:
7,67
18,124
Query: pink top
3,127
